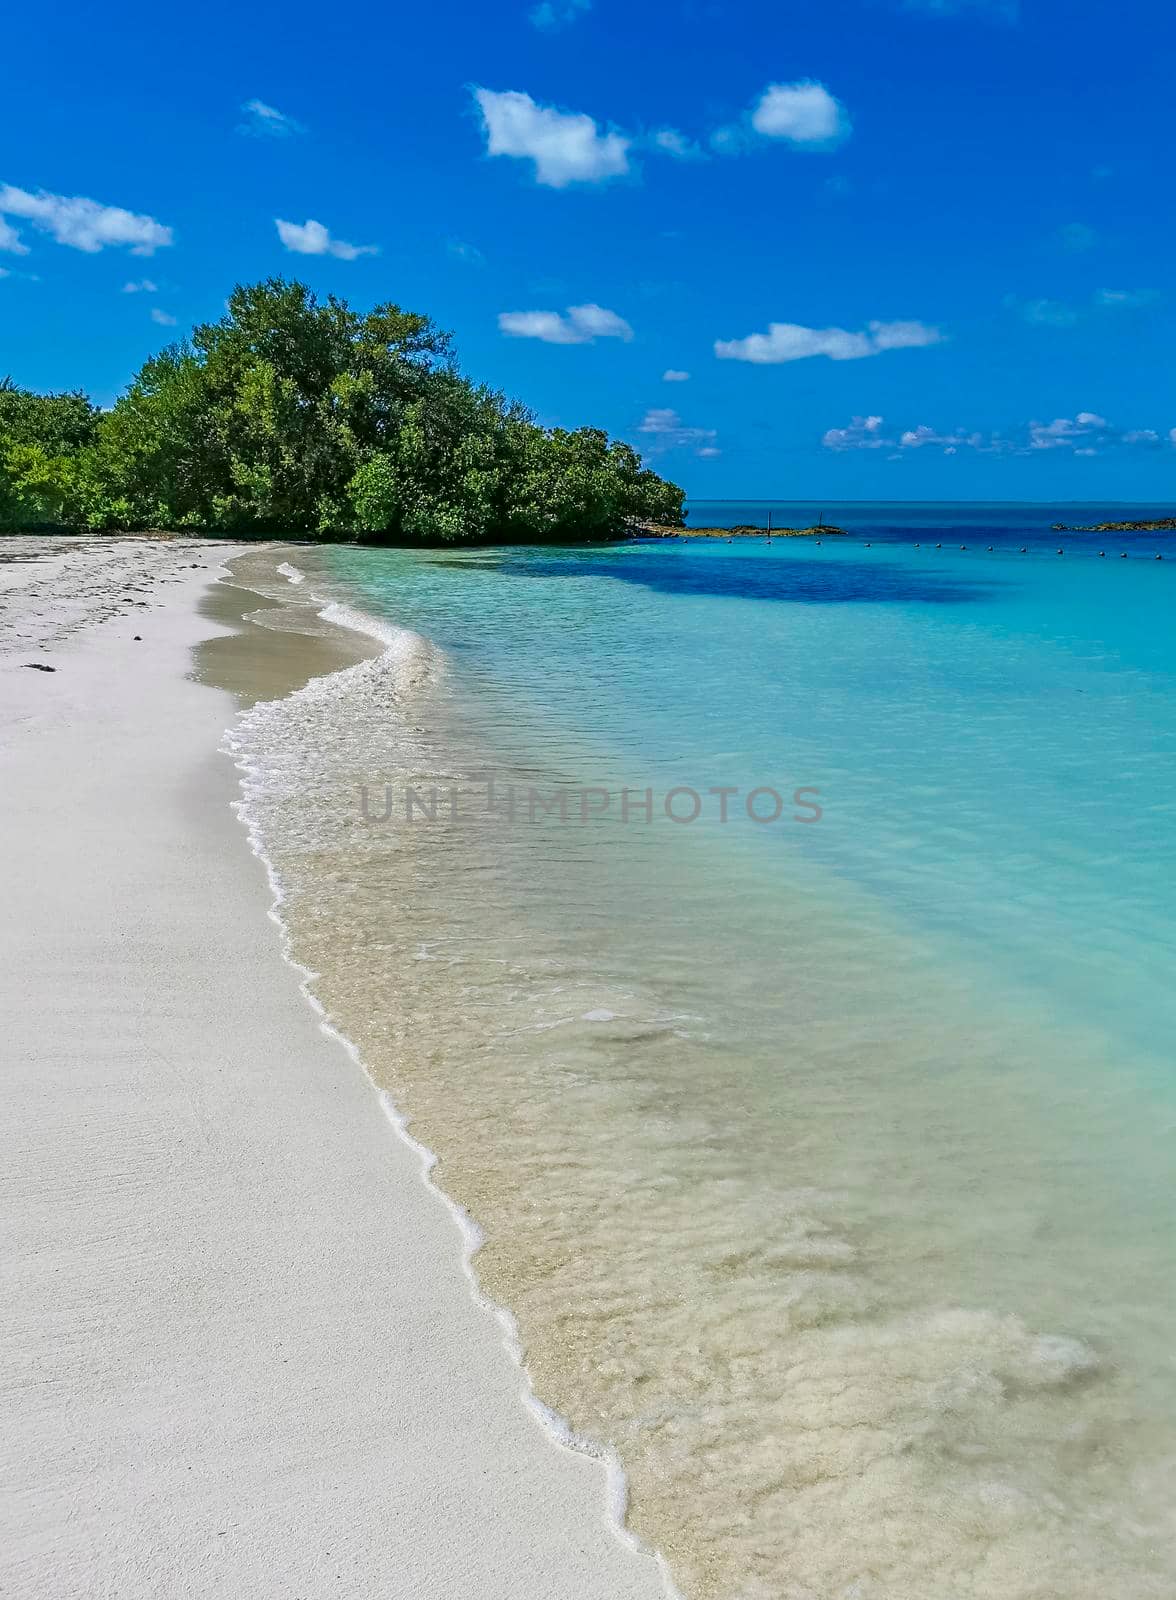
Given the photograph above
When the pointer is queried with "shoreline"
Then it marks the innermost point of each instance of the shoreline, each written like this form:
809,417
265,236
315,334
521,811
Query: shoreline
741,530
349,625
247,1351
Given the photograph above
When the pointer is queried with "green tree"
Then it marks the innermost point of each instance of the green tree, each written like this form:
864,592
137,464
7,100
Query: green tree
60,423
295,415
41,438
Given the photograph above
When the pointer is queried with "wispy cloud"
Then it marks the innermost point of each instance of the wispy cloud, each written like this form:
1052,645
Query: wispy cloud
1084,434
1048,313
673,143
986,10
552,15
267,122
863,433
310,238
565,146
140,286
668,432
1077,237
803,114
466,252
674,375
1126,299
1045,313
1071,433
579,325
79,223
164,318
788,341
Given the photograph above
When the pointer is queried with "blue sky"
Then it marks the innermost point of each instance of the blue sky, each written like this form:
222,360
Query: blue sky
902,248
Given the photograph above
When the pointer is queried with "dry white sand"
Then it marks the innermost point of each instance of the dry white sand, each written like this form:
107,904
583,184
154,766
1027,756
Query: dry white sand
239,1355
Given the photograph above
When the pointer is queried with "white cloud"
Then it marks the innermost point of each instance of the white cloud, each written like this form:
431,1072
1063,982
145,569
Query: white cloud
551,15
1066,431
310,238
580,325
923,437
902,336
1085,434
674,375
4,272
598,323
672,143
164,318
266,122
668,432
788,341
141,286
1128,299
10,240
803,113
566,146
863,433
80,223
466,252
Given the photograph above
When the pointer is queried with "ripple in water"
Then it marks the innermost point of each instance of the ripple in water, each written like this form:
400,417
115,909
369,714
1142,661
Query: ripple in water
858,1256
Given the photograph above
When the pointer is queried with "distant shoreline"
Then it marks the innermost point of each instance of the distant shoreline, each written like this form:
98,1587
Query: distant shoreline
661,530
1159,525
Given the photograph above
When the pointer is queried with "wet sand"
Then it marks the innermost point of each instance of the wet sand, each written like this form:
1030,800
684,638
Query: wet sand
241,1356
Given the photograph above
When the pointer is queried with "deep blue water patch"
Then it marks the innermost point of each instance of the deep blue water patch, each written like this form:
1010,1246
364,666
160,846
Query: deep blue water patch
795,579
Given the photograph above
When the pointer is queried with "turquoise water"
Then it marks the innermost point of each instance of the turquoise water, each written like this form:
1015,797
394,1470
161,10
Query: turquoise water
994,739
826,1163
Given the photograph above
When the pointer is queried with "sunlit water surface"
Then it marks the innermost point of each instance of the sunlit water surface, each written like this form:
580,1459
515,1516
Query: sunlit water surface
825,1164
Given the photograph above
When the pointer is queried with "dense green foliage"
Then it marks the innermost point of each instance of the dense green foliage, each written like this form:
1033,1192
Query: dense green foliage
295,416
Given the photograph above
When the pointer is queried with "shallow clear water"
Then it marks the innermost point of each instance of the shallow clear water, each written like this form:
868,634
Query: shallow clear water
825,1163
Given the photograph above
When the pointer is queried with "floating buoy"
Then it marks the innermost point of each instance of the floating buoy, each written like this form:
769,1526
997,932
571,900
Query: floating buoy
916,544
1022,549
963,547
939,547
1122,555
1102,552
1159,558
989,549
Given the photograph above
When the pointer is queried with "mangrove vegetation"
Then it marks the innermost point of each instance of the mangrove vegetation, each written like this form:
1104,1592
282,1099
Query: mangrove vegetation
296,416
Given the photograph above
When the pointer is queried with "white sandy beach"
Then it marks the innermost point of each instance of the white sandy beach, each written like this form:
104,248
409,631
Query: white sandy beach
240,1355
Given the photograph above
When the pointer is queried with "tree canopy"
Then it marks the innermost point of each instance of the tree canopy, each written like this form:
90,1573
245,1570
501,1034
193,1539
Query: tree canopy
291,415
